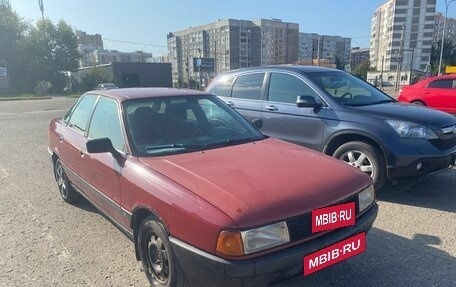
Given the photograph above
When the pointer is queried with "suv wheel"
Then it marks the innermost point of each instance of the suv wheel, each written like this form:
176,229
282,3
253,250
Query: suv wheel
364,157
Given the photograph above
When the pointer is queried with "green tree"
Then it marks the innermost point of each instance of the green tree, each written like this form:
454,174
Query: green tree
361,70
51,50
12,29
448,57
92,79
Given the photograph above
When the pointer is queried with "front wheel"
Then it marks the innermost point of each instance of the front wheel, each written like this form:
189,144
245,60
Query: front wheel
157,257
364,157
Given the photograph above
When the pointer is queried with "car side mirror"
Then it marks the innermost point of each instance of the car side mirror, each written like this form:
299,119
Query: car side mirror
102,145
257,123
305,101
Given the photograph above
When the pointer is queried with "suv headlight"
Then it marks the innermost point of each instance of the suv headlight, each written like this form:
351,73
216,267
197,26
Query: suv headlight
366,198
412,130
238,243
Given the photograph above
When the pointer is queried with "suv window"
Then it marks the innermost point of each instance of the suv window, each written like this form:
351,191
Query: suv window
248,86
105,123
224,88
441,84
79,115
286,88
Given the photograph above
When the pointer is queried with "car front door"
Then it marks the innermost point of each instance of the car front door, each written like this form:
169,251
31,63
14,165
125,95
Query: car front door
441,94
281,116
102,171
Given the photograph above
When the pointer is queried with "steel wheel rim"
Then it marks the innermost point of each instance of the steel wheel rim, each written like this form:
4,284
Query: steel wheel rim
359,160
157,257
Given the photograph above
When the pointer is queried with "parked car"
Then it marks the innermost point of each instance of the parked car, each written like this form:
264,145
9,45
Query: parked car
205,196
435,92
106,86
340,115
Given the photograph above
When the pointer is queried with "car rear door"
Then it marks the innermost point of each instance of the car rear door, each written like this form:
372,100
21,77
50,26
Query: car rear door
243,93
283,119
72,141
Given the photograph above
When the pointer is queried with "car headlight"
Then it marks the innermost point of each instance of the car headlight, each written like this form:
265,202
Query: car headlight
235,243
366,198
412,130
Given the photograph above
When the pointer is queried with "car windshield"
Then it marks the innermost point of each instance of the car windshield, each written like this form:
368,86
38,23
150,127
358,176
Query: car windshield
159,126
348,90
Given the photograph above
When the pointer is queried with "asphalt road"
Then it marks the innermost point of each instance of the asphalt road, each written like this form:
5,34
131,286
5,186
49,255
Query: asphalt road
45,242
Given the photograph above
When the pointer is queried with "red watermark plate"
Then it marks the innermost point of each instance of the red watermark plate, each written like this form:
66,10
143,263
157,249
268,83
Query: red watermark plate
333,217
335,253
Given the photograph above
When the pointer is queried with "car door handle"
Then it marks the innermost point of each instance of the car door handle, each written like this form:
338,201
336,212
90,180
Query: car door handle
61,139
81,153
271,108
230,103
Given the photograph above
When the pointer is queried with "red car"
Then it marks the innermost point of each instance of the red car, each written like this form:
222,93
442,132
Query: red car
206,198
436,92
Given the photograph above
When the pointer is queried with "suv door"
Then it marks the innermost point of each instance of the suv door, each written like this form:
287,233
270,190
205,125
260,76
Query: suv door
245,95
283,119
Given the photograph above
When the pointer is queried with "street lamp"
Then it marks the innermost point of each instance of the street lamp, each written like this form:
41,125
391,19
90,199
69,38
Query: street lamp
447,3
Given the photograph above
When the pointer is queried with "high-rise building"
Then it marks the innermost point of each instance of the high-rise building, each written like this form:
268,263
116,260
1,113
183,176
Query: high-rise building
87,44
402,32
230,44
450,28
323,50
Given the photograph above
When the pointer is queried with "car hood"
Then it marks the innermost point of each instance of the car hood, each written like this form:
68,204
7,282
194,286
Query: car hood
410,113
262,182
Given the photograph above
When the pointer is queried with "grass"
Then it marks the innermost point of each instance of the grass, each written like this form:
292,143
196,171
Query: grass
25,97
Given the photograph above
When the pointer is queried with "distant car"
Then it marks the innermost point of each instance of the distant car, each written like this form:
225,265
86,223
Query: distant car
435,92
206,198
340,115
106,86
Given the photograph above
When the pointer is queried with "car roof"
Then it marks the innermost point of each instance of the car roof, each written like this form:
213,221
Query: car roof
144,93
299,69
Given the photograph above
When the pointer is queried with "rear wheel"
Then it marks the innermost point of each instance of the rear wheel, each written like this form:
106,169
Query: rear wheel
418,102
67,192
364,157
157,257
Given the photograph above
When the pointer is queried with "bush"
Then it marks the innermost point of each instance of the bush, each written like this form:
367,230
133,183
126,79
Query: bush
42,88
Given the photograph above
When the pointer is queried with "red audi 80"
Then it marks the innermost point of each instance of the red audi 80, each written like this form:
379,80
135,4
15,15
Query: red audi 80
205,197
435,92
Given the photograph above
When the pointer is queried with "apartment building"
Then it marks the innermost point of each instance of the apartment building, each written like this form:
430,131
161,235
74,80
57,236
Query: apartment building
198,53
450,28
100,57
323,50
86,45
402,33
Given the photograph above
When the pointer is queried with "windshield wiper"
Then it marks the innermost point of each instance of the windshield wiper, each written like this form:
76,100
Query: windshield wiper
174,147
232,142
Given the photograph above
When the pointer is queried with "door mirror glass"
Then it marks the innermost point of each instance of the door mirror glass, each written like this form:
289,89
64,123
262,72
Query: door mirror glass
305,101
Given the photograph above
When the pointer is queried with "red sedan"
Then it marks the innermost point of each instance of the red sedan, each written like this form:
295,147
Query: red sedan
435,92
205,197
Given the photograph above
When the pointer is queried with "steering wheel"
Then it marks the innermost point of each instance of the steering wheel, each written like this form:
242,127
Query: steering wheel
216,122
347,95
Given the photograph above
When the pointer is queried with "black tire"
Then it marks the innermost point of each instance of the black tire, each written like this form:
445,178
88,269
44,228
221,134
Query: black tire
419,103
366,158
157,257
67,192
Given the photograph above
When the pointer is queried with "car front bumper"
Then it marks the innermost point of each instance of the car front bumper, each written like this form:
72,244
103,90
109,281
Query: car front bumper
421,165
206,269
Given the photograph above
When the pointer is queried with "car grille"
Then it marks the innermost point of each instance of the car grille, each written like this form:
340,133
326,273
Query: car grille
300,227
444,143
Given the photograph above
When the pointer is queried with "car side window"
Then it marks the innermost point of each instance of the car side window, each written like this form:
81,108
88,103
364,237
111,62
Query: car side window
105,123
224,88
248,86
441,84
285,88
79,116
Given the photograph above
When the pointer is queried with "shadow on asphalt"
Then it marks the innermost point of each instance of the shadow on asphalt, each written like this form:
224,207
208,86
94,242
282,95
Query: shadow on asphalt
437,191
86,205
389,260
